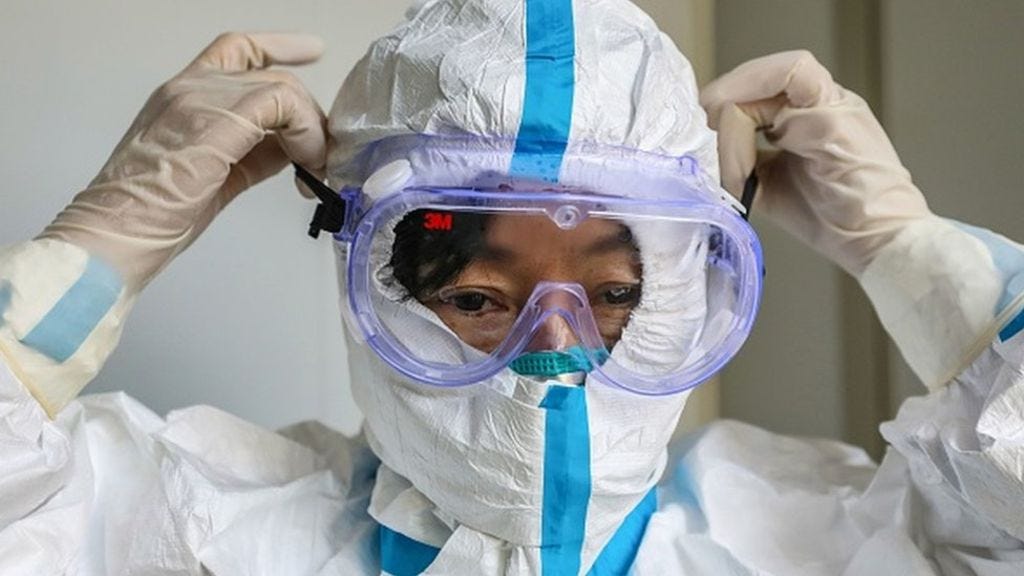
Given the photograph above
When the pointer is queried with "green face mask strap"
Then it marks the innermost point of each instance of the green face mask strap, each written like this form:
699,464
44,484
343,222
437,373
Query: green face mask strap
551,363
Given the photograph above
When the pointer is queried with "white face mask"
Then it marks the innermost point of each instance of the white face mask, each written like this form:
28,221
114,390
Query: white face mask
523,461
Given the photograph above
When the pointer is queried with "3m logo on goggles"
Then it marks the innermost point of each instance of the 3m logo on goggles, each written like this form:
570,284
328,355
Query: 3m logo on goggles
437,221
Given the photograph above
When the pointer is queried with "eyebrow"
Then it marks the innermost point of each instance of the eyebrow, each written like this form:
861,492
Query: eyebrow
495,254
610,243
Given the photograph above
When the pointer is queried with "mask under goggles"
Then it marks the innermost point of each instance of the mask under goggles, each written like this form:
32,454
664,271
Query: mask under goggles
652,289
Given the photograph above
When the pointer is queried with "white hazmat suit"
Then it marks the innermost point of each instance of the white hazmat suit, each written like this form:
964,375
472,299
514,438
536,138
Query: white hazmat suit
452,482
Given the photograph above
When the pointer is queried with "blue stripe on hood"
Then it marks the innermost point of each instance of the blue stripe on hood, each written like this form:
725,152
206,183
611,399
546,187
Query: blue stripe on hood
550,83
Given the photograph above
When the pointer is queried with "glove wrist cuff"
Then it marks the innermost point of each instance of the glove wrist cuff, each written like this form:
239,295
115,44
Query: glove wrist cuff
942,294
61,315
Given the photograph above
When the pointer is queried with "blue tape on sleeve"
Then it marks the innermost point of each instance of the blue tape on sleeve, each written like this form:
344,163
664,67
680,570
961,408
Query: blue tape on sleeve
66,326
549,92
5,300
566,479
1013,328
1008,259
403,556
620,552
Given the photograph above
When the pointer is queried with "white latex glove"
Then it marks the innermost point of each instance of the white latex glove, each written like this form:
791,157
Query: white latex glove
836,182
201,139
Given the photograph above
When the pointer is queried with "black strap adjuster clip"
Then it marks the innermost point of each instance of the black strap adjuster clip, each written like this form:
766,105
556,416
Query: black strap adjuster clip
749,191
331,213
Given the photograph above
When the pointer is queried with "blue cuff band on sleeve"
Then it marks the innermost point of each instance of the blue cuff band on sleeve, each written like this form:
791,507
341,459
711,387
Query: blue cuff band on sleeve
1012,328
66,326
1009,260
5,299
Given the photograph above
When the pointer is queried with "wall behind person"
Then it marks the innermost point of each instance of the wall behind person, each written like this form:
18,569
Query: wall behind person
246,319
787,377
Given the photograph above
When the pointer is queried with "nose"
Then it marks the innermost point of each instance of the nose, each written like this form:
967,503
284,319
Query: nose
554,333
562,307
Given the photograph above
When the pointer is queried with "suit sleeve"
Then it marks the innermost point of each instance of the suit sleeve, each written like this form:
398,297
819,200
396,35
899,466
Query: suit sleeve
61,315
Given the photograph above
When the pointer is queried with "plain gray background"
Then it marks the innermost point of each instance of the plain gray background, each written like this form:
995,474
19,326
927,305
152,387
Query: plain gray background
247,319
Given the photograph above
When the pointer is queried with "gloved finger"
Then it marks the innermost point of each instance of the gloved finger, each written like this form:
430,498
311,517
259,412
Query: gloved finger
238,52
266,159
303,188
737,148
796,76
285,107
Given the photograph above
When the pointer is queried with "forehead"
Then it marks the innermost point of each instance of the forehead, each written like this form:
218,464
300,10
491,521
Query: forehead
537,234
533,247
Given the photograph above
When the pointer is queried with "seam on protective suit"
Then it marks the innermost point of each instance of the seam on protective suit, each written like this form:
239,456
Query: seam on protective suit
986,338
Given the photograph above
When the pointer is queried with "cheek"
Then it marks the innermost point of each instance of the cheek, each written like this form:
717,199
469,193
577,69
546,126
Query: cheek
483,332
611,323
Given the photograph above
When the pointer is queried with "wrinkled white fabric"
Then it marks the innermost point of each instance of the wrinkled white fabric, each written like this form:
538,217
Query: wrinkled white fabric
111,488
947,499
456,68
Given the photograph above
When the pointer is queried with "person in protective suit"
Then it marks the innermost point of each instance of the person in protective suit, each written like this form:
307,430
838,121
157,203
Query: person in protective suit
537,264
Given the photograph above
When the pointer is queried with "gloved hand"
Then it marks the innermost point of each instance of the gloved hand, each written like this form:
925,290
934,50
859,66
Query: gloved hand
221,125
835,182
942,290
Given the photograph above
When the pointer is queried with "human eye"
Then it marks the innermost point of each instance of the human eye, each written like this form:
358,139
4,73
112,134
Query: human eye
613,304
620,295
471,301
